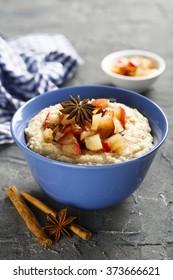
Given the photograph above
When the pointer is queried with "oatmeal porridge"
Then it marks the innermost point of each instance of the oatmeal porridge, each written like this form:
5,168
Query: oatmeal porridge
90,132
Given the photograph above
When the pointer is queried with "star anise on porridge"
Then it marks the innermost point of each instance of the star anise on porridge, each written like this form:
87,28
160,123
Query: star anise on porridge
82,110
59,225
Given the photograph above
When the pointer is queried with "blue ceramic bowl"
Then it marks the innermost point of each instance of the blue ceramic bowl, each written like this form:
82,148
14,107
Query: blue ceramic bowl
89,187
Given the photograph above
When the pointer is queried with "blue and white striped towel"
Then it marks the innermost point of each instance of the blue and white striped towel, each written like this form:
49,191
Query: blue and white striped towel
31,65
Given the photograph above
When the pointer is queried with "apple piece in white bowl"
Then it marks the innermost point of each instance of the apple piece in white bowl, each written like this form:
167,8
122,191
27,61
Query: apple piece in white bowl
134,78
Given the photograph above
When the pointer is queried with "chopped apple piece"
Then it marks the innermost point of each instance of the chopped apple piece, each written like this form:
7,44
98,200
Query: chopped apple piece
104,133
54,118
94,143
95,111
46,121
119,146
84,134
73,128
56,128
106,146
115,143
106,122
101,103
111,140
117,125
66,128
73,150
120,114
106,126
51,119
109,112
67,138
58,135
65,121
76,129
48,135
96,121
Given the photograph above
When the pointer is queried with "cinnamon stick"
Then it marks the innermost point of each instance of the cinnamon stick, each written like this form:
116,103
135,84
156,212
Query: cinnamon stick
80,231
75,228
28,216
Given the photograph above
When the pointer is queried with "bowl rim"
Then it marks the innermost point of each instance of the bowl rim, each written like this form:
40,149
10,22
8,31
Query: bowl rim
106,61
82,166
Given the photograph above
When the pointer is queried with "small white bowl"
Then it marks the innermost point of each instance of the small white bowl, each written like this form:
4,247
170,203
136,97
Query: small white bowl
139,83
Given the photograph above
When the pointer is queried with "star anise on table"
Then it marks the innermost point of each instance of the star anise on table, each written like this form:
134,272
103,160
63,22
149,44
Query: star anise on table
82,110
59,224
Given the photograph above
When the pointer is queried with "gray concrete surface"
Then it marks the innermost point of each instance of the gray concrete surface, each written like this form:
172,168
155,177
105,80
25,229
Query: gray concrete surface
142,226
